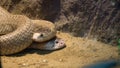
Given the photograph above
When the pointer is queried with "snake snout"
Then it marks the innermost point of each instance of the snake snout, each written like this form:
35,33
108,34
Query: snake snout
59,43
55,44
38,37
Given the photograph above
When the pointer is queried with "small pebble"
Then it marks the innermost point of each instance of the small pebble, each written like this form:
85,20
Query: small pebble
45,61
60,60
24,64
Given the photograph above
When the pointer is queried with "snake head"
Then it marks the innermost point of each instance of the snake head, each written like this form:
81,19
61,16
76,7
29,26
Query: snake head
44,30
54,44
39,37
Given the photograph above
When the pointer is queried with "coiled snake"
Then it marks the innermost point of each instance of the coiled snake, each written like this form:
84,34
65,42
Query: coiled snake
17,32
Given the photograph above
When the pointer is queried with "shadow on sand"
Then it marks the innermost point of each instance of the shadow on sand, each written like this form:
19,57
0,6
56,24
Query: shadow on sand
31,51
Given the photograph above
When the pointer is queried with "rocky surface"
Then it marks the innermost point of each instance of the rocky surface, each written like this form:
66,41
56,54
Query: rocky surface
96,19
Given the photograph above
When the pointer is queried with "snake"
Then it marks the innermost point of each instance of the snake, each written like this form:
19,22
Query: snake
17,32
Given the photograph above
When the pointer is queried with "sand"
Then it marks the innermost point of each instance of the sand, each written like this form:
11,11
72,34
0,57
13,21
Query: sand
77,53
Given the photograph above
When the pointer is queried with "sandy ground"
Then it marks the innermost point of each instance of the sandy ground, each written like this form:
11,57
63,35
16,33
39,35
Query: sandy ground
78,52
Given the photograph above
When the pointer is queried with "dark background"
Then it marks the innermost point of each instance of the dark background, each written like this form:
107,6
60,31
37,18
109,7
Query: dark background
95,19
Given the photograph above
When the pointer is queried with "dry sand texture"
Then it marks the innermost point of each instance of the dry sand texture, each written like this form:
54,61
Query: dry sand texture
78,52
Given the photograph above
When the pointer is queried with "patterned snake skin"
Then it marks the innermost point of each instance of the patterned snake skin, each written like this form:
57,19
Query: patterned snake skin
16,32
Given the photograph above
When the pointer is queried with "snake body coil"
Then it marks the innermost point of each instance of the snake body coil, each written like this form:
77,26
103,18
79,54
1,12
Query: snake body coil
16,32
18,39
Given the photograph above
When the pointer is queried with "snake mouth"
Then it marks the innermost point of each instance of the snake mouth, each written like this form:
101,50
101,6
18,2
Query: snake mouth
55,44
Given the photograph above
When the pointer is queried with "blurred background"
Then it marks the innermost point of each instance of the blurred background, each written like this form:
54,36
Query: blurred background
95,19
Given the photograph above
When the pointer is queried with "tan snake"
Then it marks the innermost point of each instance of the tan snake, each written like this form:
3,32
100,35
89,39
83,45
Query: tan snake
17,32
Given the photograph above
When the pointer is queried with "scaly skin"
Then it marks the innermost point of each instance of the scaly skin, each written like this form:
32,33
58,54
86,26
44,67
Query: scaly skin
46,28
16,32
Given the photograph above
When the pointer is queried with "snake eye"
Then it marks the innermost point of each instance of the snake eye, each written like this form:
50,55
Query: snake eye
56,41
41,35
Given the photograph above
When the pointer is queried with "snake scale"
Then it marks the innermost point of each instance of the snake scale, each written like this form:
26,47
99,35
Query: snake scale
16,32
